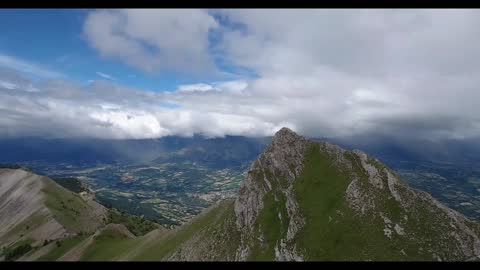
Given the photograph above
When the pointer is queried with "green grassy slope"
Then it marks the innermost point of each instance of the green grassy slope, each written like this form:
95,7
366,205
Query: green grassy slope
69,208
16,250
70,183
57,207
24,228
137,225
212,235
60,247
109,244
334,231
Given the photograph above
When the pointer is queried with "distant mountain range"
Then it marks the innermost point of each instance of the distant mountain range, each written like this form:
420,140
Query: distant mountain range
221,151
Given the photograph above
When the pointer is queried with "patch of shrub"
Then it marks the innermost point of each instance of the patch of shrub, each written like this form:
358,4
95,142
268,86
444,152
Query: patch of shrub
17,252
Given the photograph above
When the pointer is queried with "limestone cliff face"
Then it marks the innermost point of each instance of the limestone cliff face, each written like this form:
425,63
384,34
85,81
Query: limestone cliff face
277,167
283,158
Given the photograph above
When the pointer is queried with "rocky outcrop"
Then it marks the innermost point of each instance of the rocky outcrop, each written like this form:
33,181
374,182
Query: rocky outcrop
277,167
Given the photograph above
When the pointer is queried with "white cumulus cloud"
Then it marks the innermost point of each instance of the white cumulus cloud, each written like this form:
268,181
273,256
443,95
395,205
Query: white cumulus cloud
153,39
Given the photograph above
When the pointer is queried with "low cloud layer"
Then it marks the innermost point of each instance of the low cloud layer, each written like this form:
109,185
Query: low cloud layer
325,73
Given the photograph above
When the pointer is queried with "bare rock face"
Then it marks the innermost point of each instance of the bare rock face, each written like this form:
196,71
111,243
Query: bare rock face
97,214
282,158
278,166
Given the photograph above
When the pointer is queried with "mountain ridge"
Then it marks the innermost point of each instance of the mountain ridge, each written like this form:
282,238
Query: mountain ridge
39,210
305,200
371,186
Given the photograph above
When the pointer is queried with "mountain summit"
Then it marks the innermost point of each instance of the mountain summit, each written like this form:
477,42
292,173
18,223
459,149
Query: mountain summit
310,200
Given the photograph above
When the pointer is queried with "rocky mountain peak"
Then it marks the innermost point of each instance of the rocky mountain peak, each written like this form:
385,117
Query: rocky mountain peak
280,191
274,171
285,131
286,135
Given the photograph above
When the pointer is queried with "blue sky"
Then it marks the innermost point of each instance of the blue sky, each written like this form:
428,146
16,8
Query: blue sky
54,39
